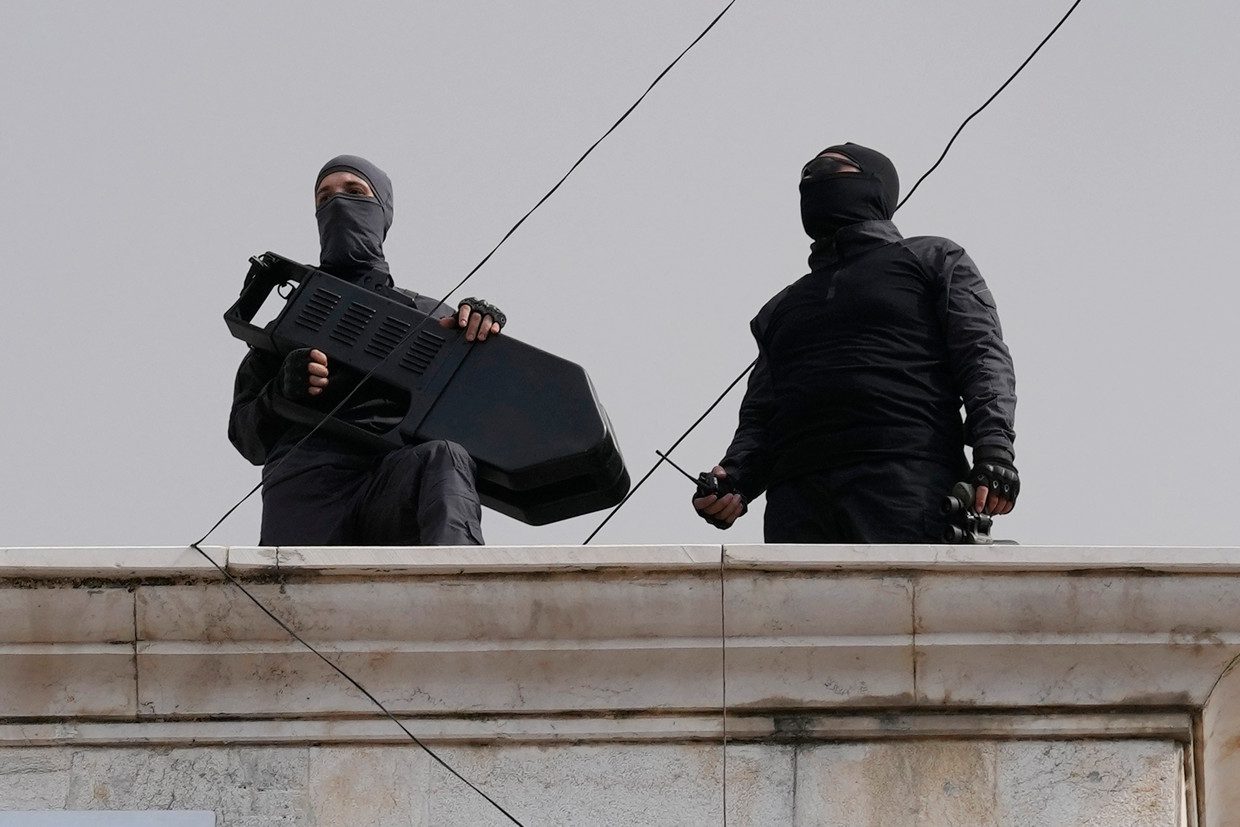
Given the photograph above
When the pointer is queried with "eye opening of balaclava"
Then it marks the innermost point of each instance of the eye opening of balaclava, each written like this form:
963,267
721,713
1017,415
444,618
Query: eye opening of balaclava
824,164
832,199
352,228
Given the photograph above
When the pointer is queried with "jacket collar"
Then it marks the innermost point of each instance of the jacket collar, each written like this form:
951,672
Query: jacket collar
850,241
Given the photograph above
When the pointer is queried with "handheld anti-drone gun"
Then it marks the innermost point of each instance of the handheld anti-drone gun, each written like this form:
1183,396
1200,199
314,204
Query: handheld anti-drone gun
543,444
965,526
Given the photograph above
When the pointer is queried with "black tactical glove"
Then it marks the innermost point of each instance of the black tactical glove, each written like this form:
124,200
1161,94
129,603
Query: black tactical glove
484,307
709,484
993,468
293,380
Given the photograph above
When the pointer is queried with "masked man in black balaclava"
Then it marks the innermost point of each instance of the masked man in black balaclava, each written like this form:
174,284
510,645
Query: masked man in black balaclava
329,492
851,420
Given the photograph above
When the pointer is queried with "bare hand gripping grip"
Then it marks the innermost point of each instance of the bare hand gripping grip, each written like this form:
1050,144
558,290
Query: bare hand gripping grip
543,444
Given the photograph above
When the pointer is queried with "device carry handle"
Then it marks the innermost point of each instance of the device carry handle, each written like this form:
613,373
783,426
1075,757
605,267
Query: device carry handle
262,278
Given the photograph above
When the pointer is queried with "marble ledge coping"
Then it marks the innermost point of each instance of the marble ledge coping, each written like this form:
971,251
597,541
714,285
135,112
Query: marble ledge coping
642,641
1173,726
121,563
110,562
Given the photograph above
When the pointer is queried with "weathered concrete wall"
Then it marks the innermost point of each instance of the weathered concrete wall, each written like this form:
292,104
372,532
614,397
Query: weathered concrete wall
1219,749
865,685
1028,783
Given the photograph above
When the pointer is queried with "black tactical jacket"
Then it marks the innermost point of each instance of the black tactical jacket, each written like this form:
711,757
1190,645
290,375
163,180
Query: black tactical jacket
872,354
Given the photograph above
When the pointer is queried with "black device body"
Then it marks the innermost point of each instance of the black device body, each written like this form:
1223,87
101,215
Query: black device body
543,444
965,526
708,483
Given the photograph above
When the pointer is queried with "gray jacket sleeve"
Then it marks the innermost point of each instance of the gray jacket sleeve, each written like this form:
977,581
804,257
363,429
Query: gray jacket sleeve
980,362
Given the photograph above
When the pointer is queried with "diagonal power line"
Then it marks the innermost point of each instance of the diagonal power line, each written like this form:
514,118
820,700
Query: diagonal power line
977,111
417,328
276,619
926,174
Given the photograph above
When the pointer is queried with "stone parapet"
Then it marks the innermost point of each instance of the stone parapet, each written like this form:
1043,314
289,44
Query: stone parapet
558,648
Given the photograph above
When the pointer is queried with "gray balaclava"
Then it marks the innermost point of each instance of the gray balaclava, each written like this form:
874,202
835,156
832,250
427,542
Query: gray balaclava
352,228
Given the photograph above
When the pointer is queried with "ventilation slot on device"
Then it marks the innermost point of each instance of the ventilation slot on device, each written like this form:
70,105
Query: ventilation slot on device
352,323
317,308
390,334
422,352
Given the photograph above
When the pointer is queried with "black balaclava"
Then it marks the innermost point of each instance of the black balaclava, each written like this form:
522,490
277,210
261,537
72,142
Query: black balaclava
831,199
352,228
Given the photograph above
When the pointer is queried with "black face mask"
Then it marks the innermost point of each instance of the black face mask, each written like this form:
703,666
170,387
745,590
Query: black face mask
352,228
831,199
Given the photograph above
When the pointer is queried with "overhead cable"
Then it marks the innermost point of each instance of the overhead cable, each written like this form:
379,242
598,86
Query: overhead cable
900,204
987,103
417,328
197,544
231,579
662,456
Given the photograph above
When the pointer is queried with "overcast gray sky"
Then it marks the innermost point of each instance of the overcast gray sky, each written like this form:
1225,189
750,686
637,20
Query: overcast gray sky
151,148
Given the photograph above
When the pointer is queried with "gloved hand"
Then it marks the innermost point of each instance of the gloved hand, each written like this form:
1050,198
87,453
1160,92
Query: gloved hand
479,317
486,309
717,501
996,480
303,374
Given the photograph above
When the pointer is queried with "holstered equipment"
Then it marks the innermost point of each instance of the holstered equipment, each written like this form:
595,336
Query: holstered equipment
965,526
543,444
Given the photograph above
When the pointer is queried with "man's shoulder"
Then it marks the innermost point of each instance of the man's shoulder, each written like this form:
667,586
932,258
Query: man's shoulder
929,244
414,299
774,301
760,321
932,251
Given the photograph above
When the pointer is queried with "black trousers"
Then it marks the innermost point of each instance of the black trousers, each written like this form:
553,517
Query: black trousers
882,501
418,495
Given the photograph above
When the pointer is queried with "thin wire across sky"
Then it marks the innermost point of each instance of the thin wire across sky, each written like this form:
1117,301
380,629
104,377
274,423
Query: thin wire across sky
662,457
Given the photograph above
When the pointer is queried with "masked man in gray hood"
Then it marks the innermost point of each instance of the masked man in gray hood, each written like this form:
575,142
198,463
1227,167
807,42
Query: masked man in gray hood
851,420
330,492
